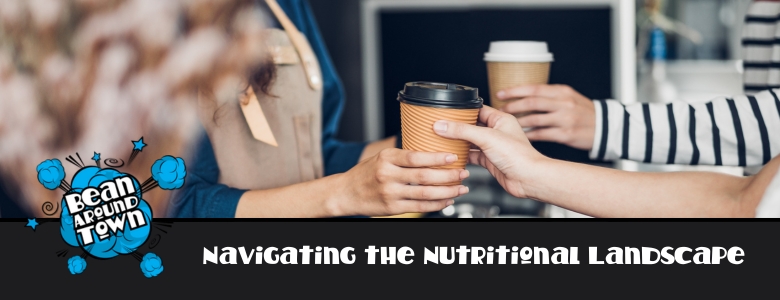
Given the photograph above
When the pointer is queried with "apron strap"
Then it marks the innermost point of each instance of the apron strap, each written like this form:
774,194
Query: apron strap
299,42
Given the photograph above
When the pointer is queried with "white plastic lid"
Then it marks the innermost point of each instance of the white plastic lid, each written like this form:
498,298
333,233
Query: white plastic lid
518,51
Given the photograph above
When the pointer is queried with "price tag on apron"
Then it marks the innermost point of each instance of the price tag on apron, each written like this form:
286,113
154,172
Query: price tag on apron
255,118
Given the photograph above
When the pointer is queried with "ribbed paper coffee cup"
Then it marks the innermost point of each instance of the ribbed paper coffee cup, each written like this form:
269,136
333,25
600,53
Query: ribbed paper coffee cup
424,103
515,63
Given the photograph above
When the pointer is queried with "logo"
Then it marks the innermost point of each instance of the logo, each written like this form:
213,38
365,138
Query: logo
103,210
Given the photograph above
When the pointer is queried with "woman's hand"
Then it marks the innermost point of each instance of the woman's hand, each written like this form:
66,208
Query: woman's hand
398,181
557,113
503,148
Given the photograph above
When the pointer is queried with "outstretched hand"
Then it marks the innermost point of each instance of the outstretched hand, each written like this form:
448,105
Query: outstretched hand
503,148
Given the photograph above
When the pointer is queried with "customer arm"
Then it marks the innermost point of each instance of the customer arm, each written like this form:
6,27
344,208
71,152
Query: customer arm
603,192
607,192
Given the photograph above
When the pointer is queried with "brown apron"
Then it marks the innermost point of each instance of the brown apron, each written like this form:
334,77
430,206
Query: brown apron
294,116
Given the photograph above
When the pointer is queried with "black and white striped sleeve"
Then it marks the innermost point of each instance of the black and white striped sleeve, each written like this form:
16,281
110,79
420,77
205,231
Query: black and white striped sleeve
738,131
761,47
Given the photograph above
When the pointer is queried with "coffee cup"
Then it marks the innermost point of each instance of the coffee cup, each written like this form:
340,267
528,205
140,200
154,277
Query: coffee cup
516,63
424,103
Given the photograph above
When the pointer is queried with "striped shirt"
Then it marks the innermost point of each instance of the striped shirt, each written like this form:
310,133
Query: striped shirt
731,131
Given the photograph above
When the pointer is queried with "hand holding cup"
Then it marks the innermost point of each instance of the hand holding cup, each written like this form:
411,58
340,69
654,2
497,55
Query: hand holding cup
399,181
502,149
560,114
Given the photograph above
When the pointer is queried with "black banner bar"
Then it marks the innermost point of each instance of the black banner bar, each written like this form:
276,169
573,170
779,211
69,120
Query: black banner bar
41,257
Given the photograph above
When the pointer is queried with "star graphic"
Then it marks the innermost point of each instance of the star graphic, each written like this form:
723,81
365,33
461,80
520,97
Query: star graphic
31,223
139,144
96,157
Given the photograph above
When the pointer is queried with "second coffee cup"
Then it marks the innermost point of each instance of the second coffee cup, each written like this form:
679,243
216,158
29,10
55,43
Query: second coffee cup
516,63
424,103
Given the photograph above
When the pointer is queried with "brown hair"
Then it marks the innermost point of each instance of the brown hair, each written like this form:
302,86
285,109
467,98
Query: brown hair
261,78
264,77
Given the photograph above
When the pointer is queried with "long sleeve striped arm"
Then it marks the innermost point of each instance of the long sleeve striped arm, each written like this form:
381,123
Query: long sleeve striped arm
739,131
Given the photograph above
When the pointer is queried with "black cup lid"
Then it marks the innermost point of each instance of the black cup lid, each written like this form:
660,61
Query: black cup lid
442,95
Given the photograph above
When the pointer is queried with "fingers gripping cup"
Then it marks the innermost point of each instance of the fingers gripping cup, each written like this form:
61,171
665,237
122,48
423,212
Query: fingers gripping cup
424,103
515,63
